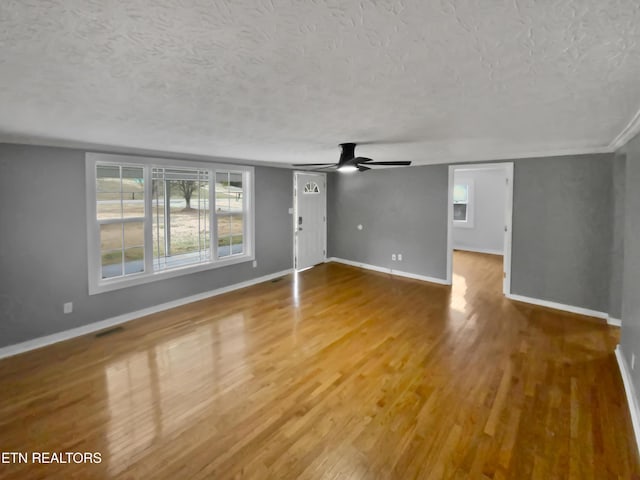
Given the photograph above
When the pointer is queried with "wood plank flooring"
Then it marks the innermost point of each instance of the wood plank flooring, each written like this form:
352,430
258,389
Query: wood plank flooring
335,372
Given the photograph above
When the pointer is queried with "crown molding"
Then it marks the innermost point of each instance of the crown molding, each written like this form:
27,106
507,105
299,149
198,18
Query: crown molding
631,130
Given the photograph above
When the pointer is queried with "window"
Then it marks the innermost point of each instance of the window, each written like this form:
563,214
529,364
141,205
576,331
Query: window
120,219
462,204
311,187
181,228
152,218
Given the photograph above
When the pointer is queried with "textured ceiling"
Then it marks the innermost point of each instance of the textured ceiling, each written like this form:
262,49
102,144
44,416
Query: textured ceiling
287,80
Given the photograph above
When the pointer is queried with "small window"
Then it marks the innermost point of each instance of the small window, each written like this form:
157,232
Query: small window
311,187
463,204
460,202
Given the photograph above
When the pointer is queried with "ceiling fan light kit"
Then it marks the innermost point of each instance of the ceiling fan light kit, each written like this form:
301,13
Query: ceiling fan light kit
350,163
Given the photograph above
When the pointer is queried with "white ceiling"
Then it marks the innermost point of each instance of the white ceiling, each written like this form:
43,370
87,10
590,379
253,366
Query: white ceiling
287,80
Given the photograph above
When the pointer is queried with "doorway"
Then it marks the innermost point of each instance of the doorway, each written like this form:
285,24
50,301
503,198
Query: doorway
468,193
309,219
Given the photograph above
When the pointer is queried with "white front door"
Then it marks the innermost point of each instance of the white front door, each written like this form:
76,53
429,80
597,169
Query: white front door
310,210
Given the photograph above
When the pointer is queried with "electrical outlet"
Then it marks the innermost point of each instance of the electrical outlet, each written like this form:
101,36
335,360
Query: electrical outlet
255,263
399,257
67,307
633,361
393,257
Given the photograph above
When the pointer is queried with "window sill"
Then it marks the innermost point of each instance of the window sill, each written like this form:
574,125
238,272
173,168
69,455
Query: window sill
109,285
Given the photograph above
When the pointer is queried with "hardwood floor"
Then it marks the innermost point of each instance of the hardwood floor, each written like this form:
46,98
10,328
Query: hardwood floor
334,373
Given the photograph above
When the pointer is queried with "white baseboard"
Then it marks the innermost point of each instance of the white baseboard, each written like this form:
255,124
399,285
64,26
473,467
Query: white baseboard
632,400
40,342
480,250
390,271
558,306
614,322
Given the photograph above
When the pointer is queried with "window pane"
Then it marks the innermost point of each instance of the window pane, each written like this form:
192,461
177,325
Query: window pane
460,212
132,204
236,192
237,225
224,235
133,260
237,244
460,193
133,234
111,264
223,197
134,174
108,205
108,178
111,237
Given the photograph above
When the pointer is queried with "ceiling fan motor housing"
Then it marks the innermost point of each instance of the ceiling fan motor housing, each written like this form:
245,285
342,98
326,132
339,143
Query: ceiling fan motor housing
348,152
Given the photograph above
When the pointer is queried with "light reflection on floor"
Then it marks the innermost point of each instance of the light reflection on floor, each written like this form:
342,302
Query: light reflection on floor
160,391
458,293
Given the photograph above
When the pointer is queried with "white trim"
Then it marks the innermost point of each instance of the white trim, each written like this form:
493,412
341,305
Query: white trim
508,220
390,271
508,234
632,400
480,250
40,342
481,167
614,322
628,132
558,306
450,225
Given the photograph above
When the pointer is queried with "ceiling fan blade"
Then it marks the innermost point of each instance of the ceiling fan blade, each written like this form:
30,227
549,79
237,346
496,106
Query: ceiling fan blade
314,164
362,168
362,160
398,163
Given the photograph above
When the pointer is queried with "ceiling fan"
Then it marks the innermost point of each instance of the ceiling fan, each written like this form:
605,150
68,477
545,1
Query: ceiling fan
350,163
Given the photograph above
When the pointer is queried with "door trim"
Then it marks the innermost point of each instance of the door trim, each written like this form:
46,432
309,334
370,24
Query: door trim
294,222
508,220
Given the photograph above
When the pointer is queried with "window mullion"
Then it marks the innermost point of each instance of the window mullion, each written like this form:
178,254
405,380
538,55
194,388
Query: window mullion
148,220
213,217
167,218
107,221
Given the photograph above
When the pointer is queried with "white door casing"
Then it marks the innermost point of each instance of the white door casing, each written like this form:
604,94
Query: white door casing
309,219
508,220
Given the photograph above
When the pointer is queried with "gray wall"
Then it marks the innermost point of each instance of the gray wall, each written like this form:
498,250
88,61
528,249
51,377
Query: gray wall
402,210
630,334
617,237
43,250
488,204
562,229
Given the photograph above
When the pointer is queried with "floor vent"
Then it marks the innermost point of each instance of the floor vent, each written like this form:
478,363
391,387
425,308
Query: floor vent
104,333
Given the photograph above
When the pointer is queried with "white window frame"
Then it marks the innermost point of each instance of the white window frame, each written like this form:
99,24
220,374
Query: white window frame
469,222
99,285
